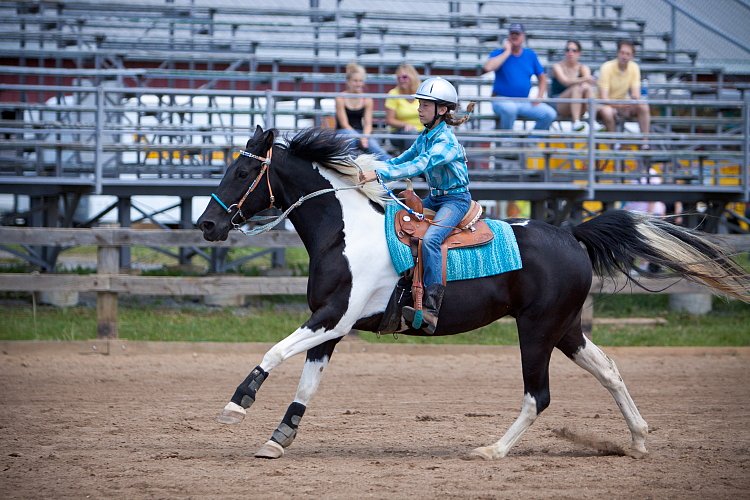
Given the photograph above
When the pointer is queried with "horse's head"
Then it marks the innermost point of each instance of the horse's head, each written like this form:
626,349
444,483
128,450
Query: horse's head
244,191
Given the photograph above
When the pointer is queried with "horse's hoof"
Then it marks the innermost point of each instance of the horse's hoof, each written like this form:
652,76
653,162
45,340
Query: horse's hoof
637,453
484,453
231,414
271,449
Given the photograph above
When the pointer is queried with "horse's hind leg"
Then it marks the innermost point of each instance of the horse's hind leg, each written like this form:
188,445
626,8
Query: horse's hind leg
592,359
317,359
535,357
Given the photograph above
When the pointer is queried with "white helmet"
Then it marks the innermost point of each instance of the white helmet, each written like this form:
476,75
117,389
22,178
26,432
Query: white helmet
439,90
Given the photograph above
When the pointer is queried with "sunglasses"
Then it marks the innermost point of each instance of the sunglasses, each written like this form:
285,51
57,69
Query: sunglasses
569,49
403,77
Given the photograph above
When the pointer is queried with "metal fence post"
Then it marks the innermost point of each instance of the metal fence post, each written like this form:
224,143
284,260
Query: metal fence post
673,35
592,149
270,105
746,148
99,159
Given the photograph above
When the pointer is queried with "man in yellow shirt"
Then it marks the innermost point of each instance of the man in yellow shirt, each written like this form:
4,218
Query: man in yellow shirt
620,78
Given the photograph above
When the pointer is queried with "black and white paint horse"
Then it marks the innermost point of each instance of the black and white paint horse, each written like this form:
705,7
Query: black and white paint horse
352,277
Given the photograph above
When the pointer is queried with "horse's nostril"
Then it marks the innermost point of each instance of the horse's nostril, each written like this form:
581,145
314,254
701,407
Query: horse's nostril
206,225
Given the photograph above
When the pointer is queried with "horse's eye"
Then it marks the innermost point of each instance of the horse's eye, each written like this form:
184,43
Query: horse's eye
242,173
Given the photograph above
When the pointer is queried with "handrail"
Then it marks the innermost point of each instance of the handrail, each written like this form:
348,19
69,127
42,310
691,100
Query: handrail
329,95
200,150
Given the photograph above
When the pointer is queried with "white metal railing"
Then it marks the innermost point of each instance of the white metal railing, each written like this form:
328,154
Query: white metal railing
106,132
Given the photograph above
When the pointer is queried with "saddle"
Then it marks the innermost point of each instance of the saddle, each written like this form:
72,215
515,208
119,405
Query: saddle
410,231
471,231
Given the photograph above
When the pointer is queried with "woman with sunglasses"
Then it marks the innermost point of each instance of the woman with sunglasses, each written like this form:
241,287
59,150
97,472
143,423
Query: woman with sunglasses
572,80
401,112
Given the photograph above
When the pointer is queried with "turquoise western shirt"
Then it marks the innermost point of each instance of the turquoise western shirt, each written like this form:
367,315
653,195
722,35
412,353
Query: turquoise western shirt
437,154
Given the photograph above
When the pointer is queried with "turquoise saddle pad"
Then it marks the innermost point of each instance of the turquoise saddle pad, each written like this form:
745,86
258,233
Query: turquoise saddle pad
496,257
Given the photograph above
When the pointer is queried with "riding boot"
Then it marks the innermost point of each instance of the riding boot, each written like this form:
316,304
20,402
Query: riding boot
433,299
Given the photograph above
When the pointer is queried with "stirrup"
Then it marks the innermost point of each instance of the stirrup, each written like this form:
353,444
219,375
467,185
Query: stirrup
417,320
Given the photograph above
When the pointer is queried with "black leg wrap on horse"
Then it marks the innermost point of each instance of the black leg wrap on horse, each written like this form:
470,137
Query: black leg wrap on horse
287,429
245,393
400,297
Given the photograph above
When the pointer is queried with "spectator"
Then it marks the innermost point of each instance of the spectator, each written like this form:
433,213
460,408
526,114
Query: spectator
573,80
354,114
620,78
401,112
513,66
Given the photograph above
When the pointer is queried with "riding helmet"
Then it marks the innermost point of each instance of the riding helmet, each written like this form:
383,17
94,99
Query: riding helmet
439,90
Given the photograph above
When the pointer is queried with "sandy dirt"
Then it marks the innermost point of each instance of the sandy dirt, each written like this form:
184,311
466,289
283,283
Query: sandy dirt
388,422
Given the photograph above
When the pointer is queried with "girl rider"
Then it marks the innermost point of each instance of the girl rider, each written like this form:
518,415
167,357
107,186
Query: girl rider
438,156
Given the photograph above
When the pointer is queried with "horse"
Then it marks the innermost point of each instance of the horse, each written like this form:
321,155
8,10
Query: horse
314,180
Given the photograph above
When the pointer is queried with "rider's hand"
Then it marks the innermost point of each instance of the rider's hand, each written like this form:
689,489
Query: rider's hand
368,176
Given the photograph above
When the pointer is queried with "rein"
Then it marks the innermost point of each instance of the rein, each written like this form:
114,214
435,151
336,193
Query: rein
266,162
275,222
395,198
409,210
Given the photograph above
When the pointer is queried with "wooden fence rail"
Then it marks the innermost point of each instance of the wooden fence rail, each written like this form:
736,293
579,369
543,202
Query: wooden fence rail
108,282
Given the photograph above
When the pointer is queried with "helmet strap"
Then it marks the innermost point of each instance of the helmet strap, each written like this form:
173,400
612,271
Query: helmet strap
435,118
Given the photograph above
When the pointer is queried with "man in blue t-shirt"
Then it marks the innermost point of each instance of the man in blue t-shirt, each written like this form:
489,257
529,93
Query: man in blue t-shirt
513,66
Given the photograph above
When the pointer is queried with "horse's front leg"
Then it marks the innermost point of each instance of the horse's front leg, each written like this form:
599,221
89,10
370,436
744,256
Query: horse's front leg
312,373
302,339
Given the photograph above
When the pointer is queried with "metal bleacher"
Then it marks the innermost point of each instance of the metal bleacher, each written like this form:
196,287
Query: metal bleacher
153,98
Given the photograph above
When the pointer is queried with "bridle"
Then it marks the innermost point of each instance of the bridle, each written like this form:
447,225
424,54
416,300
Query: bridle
265,166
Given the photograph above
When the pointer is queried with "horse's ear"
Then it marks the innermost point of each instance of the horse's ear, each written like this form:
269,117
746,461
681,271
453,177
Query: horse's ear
257,136
268,139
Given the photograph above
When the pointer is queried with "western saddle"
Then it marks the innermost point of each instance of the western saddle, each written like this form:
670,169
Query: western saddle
410,230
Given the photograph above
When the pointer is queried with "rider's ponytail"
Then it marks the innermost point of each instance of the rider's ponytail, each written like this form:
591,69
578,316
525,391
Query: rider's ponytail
450,119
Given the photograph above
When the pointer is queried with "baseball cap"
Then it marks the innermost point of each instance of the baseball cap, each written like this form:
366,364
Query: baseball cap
516,28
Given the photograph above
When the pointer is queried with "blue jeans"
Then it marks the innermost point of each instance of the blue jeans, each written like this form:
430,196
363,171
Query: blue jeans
450,209
543,114
374,146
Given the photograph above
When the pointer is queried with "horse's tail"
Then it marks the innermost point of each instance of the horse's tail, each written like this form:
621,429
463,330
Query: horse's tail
615,239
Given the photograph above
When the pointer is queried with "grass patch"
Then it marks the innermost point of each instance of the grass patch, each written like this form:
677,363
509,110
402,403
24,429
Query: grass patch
273,318
164,324
726,325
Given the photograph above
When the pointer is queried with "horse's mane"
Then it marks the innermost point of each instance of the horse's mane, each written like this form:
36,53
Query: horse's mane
330,150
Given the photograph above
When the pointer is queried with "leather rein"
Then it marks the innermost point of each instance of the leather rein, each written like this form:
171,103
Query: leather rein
275,221
266,165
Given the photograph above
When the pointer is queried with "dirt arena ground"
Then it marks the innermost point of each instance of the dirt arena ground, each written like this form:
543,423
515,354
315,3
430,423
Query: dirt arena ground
388,422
